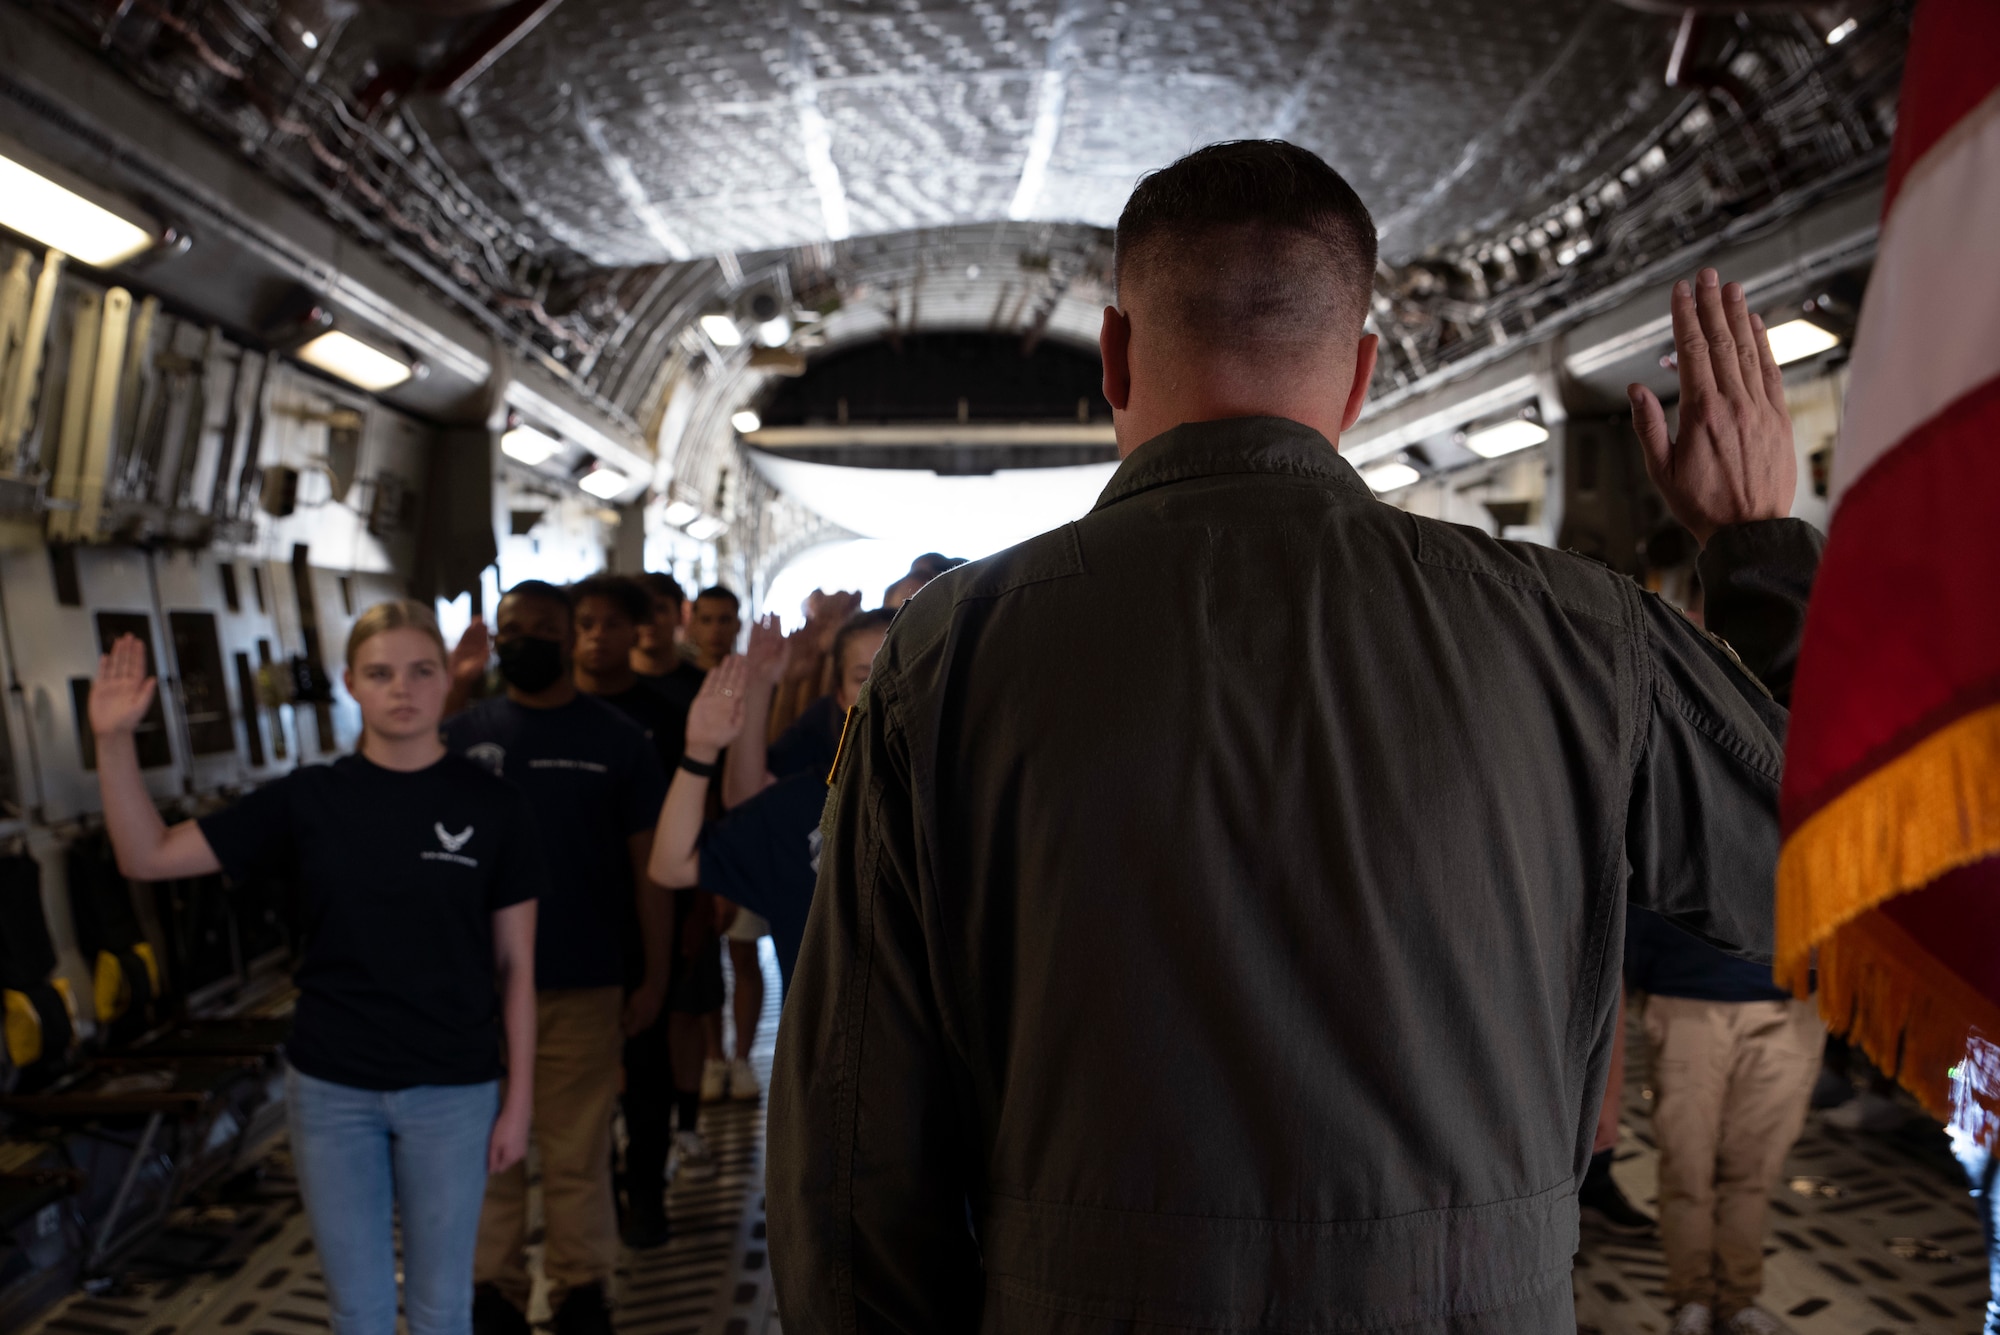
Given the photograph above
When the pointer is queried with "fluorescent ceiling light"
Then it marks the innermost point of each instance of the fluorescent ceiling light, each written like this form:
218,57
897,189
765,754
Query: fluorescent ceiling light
1841,32
604,483
706,529
775,333
35,206
721,331
1795,340
355,362
1388,477
746,421
1505,438
529,446
678,513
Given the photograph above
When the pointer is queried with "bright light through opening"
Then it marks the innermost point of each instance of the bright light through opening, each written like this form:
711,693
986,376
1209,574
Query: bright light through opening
1505,438
354,361
529,446
1795,340
1388,477
721,331
604,483
1841,32
35,206
746,421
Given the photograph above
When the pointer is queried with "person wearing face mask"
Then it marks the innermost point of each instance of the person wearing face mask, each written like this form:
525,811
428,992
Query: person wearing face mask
419,951
595,784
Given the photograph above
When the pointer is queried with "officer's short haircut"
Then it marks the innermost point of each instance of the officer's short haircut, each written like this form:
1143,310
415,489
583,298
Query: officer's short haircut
658,585
622,593
535,588
1247,243
718,592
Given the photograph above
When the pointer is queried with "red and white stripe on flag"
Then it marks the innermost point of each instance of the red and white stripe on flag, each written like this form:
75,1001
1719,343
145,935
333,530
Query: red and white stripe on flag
1893,759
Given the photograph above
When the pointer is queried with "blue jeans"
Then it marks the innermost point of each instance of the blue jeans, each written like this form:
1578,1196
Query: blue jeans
361,1152
1983,1167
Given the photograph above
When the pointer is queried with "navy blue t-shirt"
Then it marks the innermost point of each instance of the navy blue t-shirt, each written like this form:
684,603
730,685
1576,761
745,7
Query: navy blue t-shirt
811,744
764,856
400,873
1662,959
592,780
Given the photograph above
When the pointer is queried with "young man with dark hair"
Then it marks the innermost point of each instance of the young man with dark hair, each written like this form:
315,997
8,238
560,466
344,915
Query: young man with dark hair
1222,896
595,785
663,1061
713,625
659,656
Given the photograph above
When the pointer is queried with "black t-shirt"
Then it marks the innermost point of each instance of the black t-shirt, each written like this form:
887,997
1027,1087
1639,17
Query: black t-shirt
661,714
764,856
592,779
811,744
680,685
401,873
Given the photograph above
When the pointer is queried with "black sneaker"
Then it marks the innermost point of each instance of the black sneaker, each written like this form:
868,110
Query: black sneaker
1603,1205
646,1222
494,1315
583,1312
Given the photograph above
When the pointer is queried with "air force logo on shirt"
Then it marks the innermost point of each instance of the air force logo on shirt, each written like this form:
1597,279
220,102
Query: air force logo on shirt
452,843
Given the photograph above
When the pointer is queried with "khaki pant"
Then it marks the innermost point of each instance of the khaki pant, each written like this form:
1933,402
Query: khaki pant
1731,1083
578,1048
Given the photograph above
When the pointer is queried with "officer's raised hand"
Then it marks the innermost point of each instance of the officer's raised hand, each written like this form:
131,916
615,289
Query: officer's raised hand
1732,462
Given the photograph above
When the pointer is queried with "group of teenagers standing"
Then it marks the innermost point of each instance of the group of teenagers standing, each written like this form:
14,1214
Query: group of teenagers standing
515,896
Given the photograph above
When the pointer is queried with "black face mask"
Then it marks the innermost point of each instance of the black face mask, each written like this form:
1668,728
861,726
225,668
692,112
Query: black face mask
531,665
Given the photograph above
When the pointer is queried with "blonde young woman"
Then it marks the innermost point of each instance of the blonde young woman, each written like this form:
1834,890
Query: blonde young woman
418,873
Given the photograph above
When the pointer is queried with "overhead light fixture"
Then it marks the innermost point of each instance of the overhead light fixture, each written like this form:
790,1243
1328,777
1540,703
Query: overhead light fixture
1389,476
1841,32
706,529
1795,340
1505,438
360,364
721,331
746,421
529,446
775,332
678,513
40,200
604,483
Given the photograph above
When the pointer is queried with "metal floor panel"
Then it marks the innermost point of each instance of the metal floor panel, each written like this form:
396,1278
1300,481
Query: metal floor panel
1850,1217
1850,1221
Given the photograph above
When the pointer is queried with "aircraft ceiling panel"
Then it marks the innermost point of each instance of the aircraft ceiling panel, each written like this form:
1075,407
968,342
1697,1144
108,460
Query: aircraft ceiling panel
639,132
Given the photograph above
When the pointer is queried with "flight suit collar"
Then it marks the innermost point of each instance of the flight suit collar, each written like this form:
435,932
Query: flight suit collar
1234,445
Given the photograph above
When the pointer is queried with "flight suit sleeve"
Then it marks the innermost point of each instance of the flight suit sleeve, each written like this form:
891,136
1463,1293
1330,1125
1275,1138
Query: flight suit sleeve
866,1190
1702,830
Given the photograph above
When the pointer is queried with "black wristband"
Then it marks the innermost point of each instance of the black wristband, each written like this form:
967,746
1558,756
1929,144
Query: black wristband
706,770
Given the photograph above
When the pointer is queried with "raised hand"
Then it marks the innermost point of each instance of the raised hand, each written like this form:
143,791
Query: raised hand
1733,460
716,716
766,655
469,657
122,693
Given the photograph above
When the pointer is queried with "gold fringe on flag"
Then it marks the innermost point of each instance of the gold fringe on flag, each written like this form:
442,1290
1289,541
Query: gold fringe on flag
1929,811
1914,1018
